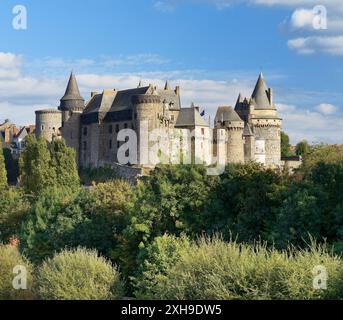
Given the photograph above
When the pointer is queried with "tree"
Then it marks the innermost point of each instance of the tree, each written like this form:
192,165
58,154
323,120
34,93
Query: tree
11,167
37,172
92,218
244,203
13,209
171,200
154,263
63,160
3,173
302,148
285,145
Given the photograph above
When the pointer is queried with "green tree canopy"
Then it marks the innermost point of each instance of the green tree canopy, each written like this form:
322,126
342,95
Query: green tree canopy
302,148
3,172
285,145
63,160
36,168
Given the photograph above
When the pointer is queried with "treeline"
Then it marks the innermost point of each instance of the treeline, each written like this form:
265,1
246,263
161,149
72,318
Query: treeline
178,234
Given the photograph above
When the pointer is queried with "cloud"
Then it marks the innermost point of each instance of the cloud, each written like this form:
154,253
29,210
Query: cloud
10,64
310,45
326,108
303,19
22,95
312,125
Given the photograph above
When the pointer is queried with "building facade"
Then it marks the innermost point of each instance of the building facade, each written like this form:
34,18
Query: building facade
251,130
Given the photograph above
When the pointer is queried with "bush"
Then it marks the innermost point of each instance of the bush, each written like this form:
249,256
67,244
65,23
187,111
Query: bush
213,269
155,262
9,258
79,274
89,176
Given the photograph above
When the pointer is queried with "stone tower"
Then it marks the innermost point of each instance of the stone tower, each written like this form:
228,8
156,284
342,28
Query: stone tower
72,106
147,110
249,144
261,115
48,123
227,118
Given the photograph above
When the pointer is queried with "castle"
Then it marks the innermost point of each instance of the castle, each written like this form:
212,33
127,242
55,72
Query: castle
251,130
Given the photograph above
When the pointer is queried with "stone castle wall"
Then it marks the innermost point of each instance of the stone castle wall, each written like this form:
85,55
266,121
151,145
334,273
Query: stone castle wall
272,137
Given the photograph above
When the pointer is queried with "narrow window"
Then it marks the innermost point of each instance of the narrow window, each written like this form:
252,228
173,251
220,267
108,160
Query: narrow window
110,129
110,144
125,125
117,128
203,131
85,145
85,131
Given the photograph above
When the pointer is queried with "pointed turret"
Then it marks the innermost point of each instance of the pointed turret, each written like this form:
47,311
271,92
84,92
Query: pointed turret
72,98
260,95
240,98
139,84
166,86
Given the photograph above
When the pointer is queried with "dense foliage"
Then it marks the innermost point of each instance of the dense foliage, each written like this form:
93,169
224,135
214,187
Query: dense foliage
3,172
285,145
43,166
79,275
10,258
151,230
214,269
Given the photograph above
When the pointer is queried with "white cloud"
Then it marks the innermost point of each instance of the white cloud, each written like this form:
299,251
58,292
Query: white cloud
326,108
10,64
310,45
314,40
22,95
302,18
311,125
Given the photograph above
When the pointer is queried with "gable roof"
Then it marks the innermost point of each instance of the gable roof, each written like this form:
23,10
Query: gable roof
190,117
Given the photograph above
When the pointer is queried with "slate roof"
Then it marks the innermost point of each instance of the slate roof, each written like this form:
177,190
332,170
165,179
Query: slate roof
260,95
72,91
190,117
227,113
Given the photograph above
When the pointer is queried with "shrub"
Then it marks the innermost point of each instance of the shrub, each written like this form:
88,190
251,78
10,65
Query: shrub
155,262
213,269
9,258
79,274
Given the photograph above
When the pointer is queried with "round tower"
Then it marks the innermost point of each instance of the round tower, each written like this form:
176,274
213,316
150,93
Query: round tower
72,100
147,110
48,123
228,119
266,122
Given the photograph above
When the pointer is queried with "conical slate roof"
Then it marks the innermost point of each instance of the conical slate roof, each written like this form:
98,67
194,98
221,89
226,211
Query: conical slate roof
260,96
166,86
72,91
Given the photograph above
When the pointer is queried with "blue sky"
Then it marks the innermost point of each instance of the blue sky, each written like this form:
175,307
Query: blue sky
212,48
